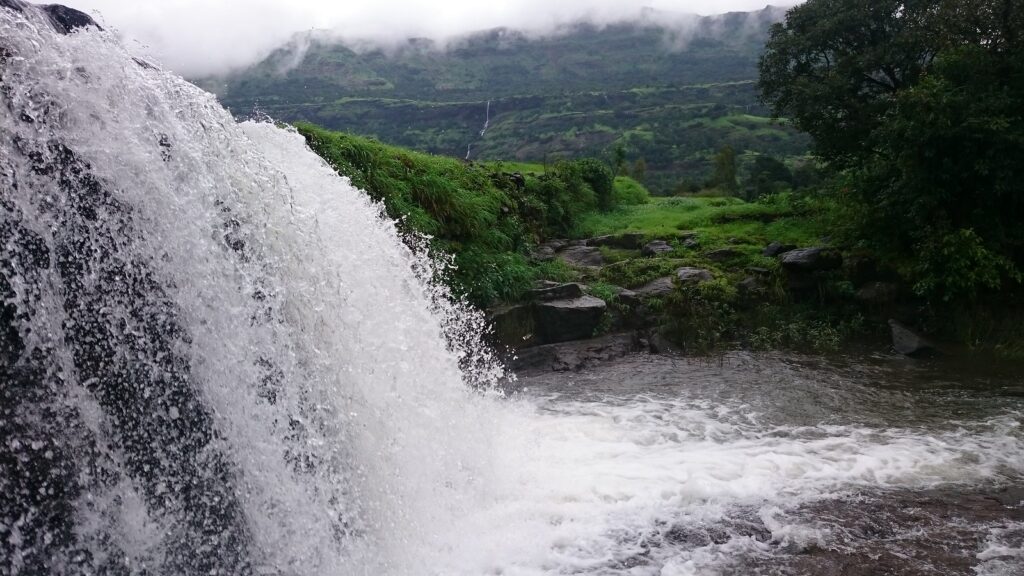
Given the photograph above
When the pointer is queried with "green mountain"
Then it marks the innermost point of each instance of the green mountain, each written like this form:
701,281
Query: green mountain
670,90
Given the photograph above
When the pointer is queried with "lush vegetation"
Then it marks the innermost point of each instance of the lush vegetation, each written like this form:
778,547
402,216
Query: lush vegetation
486,216
918,108
915,114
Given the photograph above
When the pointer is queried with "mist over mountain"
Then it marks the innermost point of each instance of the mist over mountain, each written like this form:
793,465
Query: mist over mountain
670,88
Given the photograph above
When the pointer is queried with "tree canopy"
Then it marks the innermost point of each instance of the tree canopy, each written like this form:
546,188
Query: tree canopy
920,106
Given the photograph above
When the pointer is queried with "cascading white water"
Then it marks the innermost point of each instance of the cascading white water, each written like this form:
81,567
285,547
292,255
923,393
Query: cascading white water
335,432
315,338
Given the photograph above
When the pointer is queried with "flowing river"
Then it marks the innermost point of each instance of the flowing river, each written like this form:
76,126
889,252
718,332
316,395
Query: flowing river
217,357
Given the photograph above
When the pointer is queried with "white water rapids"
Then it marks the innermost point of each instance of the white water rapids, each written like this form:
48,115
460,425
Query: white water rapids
330,367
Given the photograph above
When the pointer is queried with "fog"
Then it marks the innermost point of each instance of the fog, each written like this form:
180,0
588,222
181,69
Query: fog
204,37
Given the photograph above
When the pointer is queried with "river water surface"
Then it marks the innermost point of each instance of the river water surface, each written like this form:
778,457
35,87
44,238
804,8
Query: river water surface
771,464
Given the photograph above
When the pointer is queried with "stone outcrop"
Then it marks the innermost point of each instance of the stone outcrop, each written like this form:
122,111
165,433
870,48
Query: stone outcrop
811,260
574,356
776,249
909,343
688,275
626,241
656,247
564,320
513,326
722,254
557,291
582,256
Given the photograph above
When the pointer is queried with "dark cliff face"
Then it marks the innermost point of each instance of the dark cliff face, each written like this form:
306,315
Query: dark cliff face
85,320
64,19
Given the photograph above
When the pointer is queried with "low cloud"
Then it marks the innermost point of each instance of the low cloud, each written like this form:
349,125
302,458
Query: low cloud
204,37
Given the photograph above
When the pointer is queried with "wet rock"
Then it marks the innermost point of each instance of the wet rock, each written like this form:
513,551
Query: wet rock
557,292
722,254
656,247
909,343
582,256
627,241
688,275
659,344
877,293
513,326
65,20
811,260
564,320
574,356
776,248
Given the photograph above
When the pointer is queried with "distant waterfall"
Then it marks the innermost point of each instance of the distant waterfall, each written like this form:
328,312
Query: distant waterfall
217,356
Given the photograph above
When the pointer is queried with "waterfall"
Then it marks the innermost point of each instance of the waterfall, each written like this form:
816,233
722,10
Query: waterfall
218,357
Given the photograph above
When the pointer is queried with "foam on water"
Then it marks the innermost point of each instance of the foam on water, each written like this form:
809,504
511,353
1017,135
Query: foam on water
331,365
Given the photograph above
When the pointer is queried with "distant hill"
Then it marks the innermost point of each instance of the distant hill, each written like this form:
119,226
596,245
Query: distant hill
671,93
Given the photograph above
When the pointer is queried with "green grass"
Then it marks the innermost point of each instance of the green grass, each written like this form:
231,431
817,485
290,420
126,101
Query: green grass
716,219
488,221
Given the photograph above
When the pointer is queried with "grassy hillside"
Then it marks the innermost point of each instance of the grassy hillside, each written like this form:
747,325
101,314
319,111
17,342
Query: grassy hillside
487,216
670,98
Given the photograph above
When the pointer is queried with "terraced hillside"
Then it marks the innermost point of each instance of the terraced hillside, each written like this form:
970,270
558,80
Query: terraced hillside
669,90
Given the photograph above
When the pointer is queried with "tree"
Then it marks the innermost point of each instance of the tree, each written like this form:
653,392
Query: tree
768,175
619,161
724,175
920,105
640,170
833,67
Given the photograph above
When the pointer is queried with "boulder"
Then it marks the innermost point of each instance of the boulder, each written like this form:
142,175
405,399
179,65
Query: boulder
582,256
722,254
691,243
557,292
658,344
878,293
573,356
688,275
752,288
656,247
909,343
811,260
513,326
861,269
759,271
543,253
628,298
776,248
627,241
556,245
572,319
63,19
656,288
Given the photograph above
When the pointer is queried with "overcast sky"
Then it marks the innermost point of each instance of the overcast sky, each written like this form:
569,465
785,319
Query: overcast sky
199,37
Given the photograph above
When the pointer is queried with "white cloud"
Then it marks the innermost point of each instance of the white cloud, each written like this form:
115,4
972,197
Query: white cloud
198,37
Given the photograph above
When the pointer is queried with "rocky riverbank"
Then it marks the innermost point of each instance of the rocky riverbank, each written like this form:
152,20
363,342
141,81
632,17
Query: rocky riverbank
661,294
